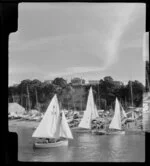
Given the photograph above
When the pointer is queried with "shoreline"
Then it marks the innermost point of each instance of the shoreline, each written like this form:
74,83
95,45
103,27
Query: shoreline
16,123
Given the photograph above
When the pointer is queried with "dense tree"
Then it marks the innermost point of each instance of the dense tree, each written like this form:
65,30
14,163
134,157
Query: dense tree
60,82
75,97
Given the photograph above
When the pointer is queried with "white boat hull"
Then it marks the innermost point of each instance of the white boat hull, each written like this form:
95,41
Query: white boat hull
50,145
116,132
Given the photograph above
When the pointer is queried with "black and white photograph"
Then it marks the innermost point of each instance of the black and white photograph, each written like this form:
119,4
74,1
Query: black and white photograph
78,82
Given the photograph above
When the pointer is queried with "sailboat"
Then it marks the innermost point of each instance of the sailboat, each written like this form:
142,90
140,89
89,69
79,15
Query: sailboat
116,123
89,114
53,129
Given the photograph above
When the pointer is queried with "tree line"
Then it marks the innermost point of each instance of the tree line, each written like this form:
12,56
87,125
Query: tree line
34,94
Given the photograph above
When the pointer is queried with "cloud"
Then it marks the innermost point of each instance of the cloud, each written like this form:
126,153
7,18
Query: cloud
74,70
105,46
74,48
86,38
124,18
132,44
19,73
24,69
90,36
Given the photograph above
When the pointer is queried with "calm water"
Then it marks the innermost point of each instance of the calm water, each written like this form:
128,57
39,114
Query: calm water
85,147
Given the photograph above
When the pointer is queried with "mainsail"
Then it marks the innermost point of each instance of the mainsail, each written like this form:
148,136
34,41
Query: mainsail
95,112
90,112
52,124
116,121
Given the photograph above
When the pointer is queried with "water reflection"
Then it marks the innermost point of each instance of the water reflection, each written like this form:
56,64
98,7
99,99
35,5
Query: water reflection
85,147
55,154
116,145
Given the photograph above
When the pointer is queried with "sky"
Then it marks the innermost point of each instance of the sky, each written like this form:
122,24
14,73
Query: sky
86,40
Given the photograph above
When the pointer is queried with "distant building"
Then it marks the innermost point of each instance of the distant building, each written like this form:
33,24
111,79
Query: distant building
93,82
118,83
48,81
77,81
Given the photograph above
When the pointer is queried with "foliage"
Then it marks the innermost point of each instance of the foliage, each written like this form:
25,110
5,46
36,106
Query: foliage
75,97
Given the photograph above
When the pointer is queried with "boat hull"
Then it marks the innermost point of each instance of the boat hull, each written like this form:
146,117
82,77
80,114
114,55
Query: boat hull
99,132
116,133
50,145
81,130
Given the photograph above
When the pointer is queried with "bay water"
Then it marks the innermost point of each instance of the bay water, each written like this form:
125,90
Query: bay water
85,147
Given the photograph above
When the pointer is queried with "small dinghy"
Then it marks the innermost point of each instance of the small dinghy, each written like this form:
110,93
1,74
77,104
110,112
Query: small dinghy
46,144
53,126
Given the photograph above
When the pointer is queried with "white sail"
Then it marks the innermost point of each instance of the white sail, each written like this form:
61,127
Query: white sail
94,112
64,128
116,121
48,127
86,120
90,112
124,115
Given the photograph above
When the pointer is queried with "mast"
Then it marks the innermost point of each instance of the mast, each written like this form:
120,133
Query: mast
98,97
81,94
73,100
122,103
81,102
21,99
37,103
68,104
26,103
28,97
13,98
73,104
125,102
105,103
131,93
